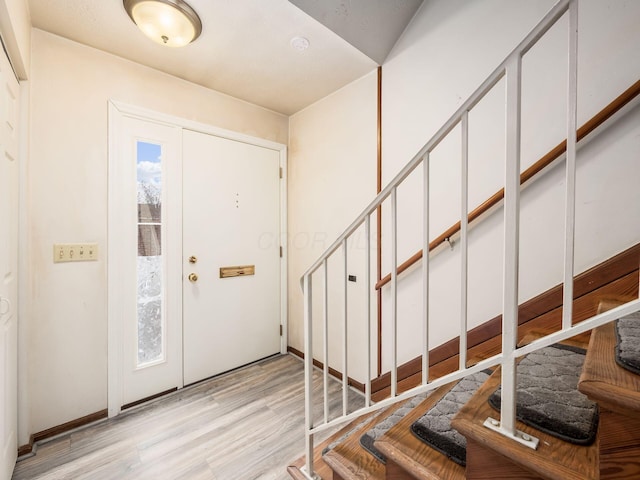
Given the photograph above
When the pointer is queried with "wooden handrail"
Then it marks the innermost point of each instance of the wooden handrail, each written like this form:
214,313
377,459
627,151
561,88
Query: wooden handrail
601,117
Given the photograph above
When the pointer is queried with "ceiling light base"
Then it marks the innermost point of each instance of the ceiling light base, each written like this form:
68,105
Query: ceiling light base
172,23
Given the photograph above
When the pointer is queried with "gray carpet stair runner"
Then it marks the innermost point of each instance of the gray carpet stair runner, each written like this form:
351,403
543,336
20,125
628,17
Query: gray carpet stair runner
348,433
434,427
628,342
548,398
368,439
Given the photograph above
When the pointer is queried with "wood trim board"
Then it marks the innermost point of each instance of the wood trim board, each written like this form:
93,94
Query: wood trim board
332,371
59,429
596,277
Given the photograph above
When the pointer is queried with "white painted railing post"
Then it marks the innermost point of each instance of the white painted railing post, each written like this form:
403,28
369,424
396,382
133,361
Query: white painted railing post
511,245
507,424
570,193
308,375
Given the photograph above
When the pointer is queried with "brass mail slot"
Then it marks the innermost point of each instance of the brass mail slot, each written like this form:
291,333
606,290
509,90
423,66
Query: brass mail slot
241,271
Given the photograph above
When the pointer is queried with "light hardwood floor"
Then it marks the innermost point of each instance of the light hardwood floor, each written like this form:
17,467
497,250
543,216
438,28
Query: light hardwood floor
244,425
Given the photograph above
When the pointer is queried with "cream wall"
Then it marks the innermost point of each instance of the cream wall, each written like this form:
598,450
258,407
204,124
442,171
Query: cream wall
446,52
450,47
331,179
67,202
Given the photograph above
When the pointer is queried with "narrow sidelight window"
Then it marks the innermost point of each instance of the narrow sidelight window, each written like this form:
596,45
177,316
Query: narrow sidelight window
150,316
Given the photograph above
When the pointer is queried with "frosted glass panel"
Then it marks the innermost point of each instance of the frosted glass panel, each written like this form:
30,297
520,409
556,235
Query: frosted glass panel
150,316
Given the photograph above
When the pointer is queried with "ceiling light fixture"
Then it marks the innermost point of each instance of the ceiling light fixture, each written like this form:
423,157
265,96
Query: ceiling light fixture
168,22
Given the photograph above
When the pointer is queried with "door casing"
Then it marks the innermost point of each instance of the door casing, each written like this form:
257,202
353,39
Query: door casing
116,112
11,173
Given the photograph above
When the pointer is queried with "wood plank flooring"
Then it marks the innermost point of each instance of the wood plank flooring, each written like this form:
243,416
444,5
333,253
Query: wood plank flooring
244,425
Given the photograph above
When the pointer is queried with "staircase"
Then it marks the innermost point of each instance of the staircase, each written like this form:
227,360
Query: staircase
615,454
488,444
617,392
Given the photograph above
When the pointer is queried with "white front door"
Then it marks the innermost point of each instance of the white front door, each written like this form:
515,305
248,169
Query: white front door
8,267
176,194
231,218
149,279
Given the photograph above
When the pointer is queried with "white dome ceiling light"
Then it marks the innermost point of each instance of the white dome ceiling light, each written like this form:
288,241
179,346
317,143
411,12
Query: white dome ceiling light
172,23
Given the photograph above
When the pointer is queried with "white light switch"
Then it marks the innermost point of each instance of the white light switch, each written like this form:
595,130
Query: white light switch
75,252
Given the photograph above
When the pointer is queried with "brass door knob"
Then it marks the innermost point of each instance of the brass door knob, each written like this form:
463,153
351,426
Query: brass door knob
193,259
193,277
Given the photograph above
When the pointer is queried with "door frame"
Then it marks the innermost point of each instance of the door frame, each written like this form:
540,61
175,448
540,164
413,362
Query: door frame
11,319
116,247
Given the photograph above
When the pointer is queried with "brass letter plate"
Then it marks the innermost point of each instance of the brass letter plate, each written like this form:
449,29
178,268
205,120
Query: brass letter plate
241,271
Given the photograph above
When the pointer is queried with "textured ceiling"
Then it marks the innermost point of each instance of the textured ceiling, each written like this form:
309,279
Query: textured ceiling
244,50
372,26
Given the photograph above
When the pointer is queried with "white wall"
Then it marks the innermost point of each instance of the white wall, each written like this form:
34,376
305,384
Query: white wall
332,178
67,202
447,51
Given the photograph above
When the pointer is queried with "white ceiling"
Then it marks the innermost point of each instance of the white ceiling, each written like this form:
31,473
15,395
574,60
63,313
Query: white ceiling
372,26
244,50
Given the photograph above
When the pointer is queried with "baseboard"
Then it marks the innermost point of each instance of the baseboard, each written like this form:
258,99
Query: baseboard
25,449
63,428
332,371
593,279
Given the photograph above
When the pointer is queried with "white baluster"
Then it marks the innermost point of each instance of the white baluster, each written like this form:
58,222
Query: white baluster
464,251
325,340
345,376
367,283
394,292
570,192
425,271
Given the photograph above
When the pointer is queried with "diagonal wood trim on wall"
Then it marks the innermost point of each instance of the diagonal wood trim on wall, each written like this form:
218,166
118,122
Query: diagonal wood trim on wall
332,371
601,275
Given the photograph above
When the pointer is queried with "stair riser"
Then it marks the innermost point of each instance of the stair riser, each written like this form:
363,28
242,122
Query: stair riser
620,465
617,431
486,464
396,472
619,447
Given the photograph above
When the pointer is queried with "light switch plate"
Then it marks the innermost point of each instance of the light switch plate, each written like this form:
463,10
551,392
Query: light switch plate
75,252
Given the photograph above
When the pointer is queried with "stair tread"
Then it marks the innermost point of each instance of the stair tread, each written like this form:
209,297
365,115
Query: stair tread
360,467
414,456
349,460
603,380
554,458
322,469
